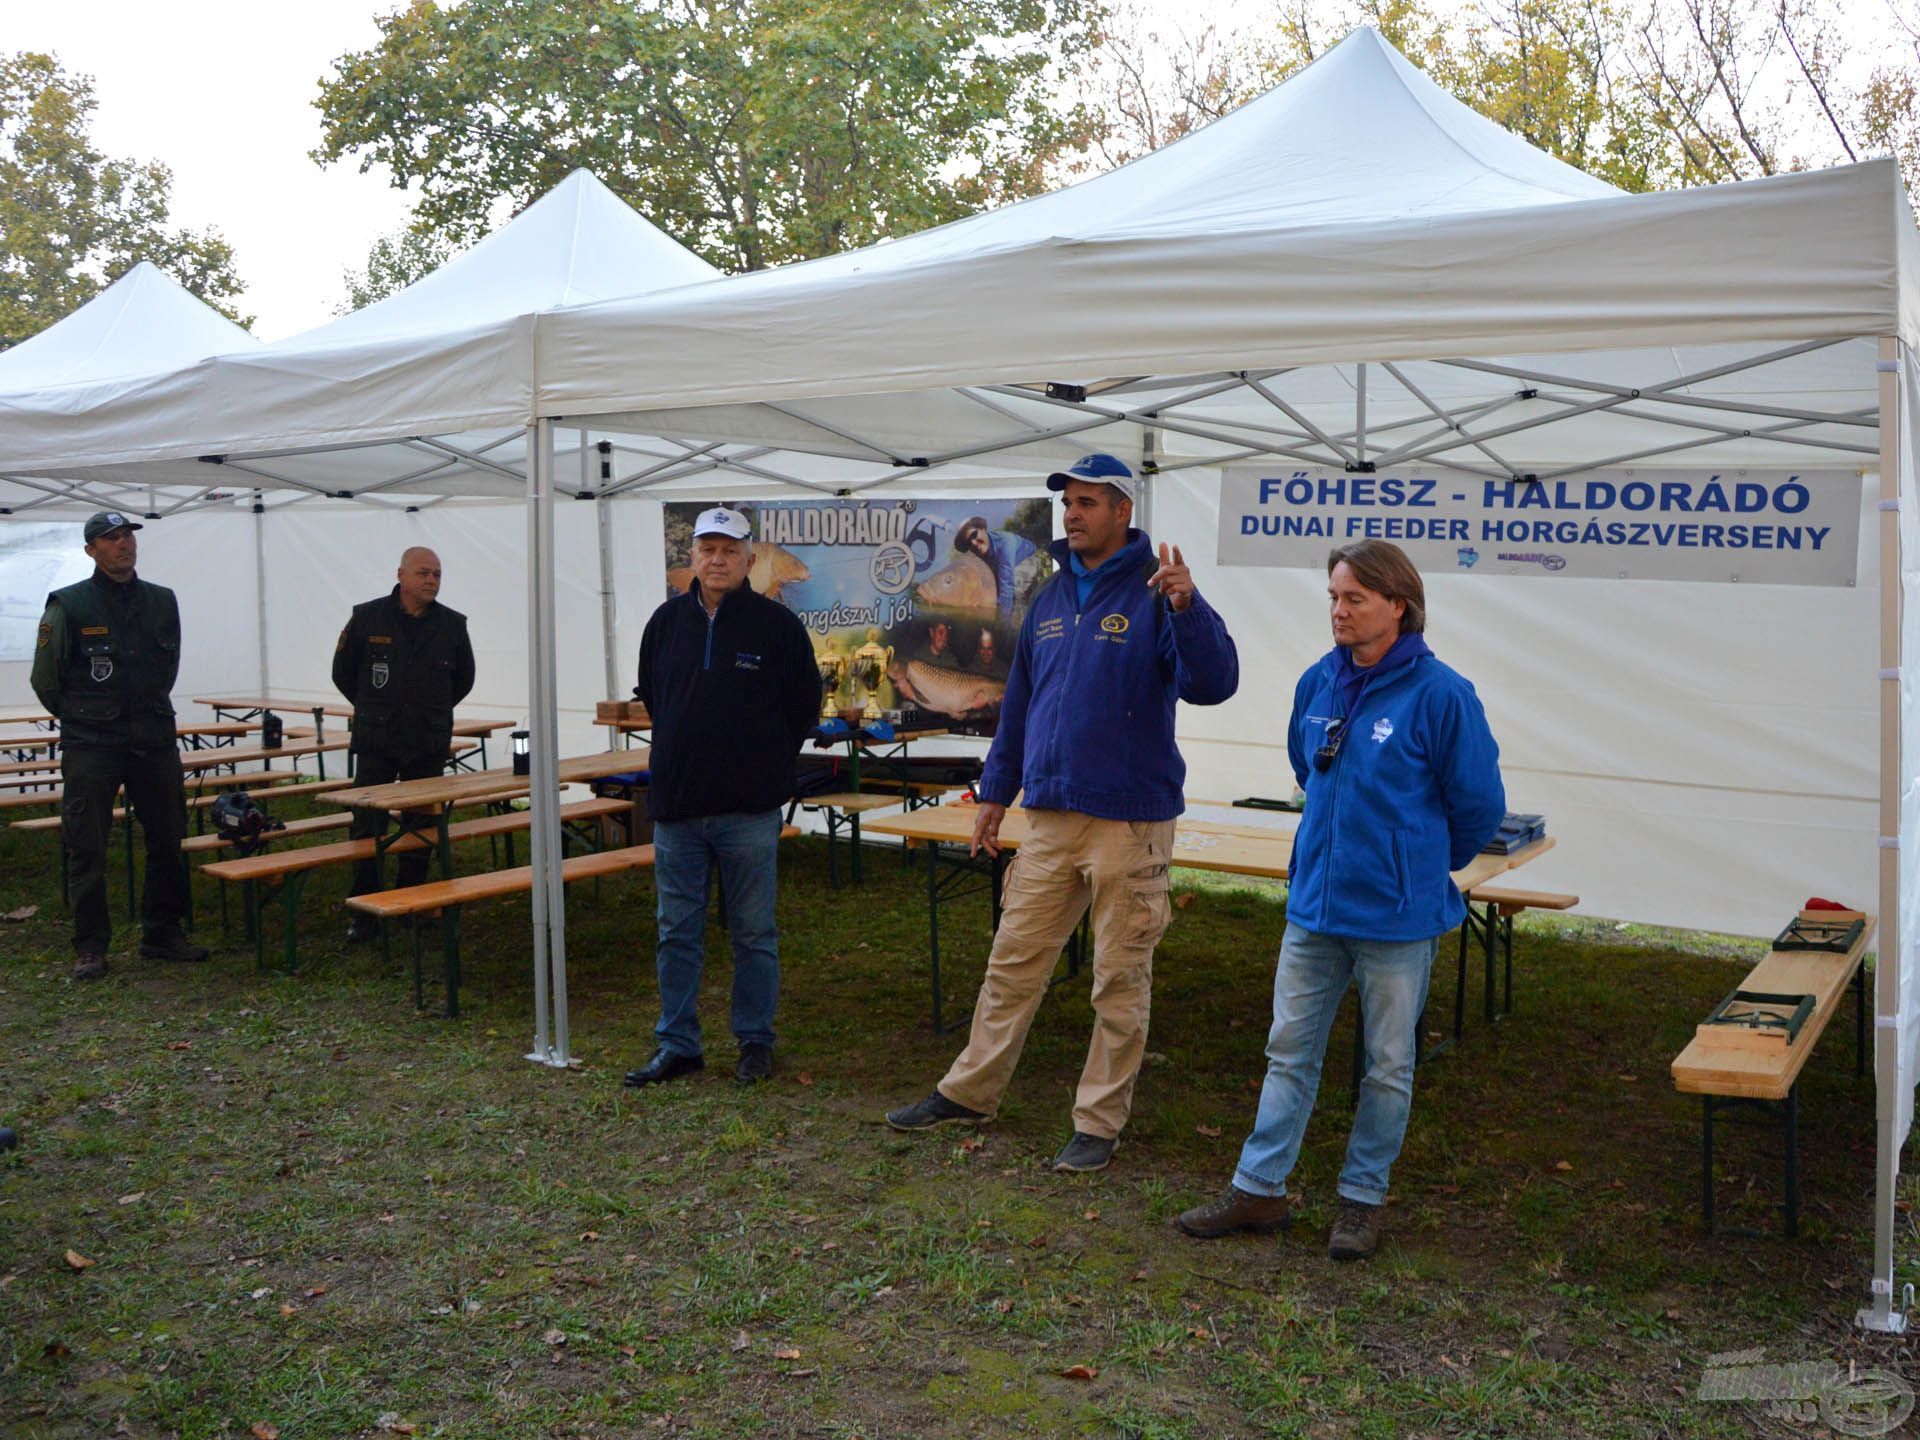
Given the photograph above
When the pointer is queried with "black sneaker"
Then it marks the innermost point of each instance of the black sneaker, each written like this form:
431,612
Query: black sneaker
665,1065
756,1064
1086,1152
171,944
933,1111
1356,1233
89,966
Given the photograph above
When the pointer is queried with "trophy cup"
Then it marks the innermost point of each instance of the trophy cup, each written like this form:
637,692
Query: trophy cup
870,664
832,668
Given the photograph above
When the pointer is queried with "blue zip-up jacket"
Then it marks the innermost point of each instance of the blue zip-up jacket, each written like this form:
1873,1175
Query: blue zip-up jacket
1413,793
1087,722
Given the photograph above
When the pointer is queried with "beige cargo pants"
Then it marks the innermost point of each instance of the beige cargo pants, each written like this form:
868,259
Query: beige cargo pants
1068,863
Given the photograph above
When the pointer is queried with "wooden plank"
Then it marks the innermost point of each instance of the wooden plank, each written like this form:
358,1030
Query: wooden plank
315,857
230,755
297,707
454,789
1717,1065
492,884
1522,899
194,802
851,802
307,825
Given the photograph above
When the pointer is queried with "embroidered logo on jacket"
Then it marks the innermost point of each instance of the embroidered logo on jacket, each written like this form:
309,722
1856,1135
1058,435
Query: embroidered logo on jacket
102,670
1382,729
381,674
1114,624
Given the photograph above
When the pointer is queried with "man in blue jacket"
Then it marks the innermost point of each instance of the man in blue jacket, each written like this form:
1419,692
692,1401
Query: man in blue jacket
729,679
1086,730
1403,786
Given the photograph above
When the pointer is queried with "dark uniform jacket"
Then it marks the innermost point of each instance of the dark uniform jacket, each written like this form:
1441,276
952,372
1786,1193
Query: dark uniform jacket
731,696
404,674
105,662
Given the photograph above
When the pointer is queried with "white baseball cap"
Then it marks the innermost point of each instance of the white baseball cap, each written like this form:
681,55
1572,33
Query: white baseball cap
722,521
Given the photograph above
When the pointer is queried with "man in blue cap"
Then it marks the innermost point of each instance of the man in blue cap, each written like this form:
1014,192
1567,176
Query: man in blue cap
1086,731
104,664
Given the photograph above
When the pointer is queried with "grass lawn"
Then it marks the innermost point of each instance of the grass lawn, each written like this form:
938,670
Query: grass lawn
296,1206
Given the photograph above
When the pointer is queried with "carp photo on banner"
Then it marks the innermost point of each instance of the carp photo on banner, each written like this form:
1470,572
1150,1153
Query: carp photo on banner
913,605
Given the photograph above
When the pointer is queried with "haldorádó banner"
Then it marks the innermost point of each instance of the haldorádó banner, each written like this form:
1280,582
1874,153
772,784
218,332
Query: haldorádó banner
913,605
1756,527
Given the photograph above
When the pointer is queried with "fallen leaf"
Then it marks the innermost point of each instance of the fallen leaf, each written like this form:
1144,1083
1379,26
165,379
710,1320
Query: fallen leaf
805,1077
971,1144
800,1374
589,1235
262,1292
552,1337
180,1045
1037,1243
1443,1189
25,912
136,1196
1183,900
1200,1332
386,1219
316,1291
54,1350
265,1430
1079,1372
1563,1165
1212,1132
787,1352
390,1420
286,1309
1675,1315
740,1341
1091,1215
77,1261
1630,1079
1137,1275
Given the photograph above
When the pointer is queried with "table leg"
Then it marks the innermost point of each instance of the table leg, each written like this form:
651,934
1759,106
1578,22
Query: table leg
1793,1160
1706,1162
933,924
1487,935
1859,1021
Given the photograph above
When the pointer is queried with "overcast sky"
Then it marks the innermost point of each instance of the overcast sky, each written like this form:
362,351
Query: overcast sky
221,91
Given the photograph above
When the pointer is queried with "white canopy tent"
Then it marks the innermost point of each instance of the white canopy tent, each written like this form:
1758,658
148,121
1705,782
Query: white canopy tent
1352,270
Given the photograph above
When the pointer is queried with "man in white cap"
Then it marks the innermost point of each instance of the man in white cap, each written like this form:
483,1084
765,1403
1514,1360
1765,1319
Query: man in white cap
729,679
104,664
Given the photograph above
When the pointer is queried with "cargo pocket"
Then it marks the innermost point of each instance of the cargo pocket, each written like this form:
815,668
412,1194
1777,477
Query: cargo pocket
1148,910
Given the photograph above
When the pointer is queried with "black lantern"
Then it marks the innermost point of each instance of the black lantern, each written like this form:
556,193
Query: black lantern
522,758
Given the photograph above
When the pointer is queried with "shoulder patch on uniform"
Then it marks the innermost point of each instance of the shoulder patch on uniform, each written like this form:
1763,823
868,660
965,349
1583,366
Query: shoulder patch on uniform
46,635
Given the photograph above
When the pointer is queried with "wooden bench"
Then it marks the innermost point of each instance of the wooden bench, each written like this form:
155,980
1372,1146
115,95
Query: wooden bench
1496,925
843,809
1732,1067
289,869
448,896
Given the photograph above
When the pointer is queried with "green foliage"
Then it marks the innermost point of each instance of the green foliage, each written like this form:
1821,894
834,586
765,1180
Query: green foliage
753,131
393,263
72,218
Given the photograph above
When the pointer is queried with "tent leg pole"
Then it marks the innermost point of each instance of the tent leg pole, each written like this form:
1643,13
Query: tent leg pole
603,520
1879,1313
260,588
536,833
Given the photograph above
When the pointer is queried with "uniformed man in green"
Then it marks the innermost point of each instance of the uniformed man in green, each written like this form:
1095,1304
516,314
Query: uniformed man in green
104,665
404,661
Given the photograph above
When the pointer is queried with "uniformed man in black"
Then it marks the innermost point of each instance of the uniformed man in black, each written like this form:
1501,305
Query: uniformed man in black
404,661
104,665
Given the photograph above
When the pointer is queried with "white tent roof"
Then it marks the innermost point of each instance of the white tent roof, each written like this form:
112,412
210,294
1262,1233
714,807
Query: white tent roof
145,321
1356,212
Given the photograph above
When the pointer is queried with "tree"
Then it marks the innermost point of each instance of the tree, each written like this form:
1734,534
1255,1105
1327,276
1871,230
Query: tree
393,263
753,131
73,219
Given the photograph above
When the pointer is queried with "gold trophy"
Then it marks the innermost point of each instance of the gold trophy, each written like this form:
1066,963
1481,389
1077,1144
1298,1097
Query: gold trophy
870,664
832,667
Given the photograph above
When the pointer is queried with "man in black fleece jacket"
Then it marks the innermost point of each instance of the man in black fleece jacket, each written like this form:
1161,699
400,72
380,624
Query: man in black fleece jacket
729,679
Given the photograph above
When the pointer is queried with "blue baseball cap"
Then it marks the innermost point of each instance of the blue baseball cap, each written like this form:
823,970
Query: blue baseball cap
1100,468
103,521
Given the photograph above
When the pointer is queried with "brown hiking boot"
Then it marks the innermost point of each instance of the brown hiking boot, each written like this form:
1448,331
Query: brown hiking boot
1237,1210
1356,1233
89,967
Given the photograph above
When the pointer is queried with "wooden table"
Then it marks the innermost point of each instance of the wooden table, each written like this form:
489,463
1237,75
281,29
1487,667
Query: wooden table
252,707
443,792
1197,845
27,717
220,758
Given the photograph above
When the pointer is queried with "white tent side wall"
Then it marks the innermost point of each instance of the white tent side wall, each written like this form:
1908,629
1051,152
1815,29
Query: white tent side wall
1692,778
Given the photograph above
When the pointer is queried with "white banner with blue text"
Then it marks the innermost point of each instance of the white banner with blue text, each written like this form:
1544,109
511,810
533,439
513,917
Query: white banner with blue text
1754,527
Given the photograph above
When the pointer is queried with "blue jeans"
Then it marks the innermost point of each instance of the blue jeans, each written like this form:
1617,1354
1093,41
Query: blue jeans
1308,985
746,849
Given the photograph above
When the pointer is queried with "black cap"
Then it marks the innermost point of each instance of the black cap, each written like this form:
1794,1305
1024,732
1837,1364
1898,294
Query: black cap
101,521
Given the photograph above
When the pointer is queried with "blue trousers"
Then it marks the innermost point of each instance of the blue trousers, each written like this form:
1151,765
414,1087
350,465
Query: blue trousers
745,849
1308,985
